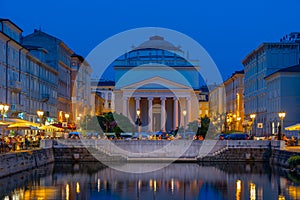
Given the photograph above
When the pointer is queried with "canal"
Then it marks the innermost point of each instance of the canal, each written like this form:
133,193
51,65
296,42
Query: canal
214,181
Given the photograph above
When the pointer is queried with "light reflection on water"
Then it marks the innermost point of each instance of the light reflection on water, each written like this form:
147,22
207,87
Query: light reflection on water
178,181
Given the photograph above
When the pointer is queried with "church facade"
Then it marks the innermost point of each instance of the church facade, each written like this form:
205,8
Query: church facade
155,83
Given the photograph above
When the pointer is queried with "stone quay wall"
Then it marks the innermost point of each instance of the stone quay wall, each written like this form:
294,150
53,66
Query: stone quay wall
281,158
162,150
11,163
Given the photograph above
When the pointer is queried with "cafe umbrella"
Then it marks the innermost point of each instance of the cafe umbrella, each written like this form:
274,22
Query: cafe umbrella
295,127
21,126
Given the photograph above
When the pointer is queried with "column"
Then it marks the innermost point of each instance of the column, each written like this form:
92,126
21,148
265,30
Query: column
125,105
106,100
188,110
163,113
137,102
175,115
112,101
150,115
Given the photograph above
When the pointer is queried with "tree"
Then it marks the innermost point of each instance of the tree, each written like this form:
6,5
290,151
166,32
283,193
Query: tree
203,126
91,123
114,122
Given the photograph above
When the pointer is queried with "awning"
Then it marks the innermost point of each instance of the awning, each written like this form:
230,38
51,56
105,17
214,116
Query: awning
295,127
4,123
21,126
20,121
50,128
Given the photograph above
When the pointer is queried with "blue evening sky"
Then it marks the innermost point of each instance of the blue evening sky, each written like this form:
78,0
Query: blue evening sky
228,30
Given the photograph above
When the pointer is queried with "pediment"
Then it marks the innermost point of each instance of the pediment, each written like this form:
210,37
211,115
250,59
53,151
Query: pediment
156,83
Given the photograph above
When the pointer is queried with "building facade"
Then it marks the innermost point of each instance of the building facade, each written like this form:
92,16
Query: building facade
281,97
263,61
234,88
80,88
204,102
103,96
27,83
217,106
59,58
157,81
40,87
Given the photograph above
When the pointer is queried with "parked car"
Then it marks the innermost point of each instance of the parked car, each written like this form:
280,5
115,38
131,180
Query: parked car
74,135
237,136
221,136
126,136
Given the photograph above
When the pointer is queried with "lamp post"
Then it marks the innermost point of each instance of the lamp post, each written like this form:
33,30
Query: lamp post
3,108
281,117
67,117
184,115
138,120
40,114
252,116
238,123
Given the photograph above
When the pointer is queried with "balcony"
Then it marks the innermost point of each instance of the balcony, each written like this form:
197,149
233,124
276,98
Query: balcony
16,86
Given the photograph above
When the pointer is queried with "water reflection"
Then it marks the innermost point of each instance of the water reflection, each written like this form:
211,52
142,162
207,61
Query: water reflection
178,181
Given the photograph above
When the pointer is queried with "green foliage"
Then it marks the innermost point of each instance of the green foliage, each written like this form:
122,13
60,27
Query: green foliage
114,122
202,129
90,123
294,160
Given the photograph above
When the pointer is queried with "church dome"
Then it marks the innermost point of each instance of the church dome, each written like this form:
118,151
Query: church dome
158,42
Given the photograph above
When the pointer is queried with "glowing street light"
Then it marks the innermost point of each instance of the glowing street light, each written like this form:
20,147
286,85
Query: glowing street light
138,119
138,112
252,116
40,114
3,108
184,122
281,117
67,117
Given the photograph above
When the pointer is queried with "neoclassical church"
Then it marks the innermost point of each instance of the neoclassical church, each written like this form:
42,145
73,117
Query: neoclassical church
160,81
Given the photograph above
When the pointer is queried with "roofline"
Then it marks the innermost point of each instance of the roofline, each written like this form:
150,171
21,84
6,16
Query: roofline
265,44
35,31
280,71
11,39
236,73
8,20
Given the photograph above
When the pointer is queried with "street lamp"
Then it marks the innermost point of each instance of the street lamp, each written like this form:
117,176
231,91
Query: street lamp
138,119
67,117
184,115
3,108
252,116
281,117
40,114
238,123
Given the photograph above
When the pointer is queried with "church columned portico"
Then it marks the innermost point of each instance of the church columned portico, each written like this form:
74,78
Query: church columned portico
157,112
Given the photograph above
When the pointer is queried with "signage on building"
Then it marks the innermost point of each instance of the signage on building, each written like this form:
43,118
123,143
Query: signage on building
64,124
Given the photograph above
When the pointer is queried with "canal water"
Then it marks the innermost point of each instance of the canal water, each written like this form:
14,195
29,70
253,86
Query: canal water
217,181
